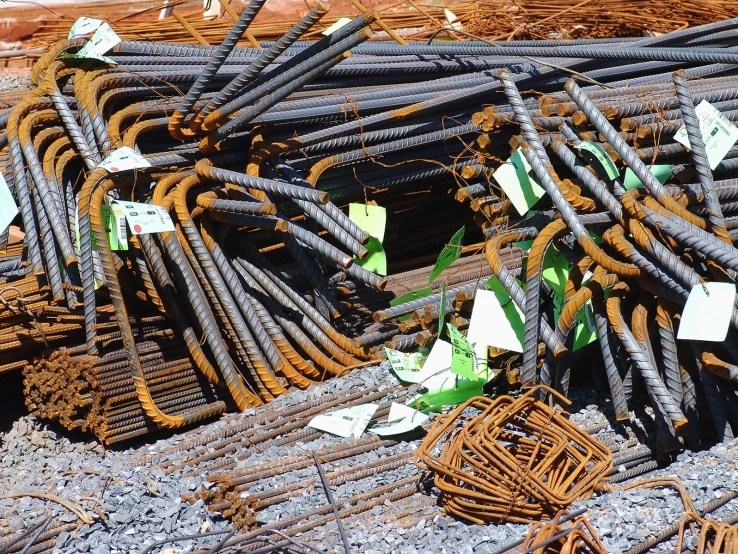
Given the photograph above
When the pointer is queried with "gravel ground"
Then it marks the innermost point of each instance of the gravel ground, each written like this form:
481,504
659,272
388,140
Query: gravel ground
142,504
14,78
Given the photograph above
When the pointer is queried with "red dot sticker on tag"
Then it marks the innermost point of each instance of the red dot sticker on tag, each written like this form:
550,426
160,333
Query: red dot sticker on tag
137,228
113,169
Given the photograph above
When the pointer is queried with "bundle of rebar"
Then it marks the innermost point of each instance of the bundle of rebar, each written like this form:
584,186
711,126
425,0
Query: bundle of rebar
255,153
511,460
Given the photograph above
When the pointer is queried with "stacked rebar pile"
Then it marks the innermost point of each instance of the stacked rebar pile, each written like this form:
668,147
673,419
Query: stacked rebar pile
255,153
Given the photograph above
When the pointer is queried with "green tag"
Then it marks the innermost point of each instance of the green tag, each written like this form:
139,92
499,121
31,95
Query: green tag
373,221
596,156
376,261
405,365
661,172
370,219
442,310
513,177
585,331
408,297
446,389
462,359
114,220
524,244
556,270
448,255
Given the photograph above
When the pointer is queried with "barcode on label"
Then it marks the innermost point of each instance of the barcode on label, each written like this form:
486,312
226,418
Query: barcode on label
122,237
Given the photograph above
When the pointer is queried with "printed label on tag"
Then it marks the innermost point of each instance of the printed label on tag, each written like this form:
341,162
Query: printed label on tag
405,420
115,226
100,44
145,218
661,172
707,313
406,365
599,159
348,422
336,26
448,255
718,133
84,26
124,159
513,176
8,209
496,321
463,361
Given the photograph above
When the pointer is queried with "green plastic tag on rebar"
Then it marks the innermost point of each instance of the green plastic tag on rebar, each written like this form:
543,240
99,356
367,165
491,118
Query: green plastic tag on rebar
100,44
514,178
336,26
718,133
524,245
376,260
84,26
496,320
406,365
556,270
8,209
373,221
463,361
409,297
442,309
585,331
660,171
450,253
446,389
114,221
707,312
598,158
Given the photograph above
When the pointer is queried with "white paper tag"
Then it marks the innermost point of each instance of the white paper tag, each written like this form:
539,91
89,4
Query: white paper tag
439,359
348,422
718,133
124,159
490,324
406,419
453,20
146,218
336,26
513,177
707,313
8,209
100,44
84,26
